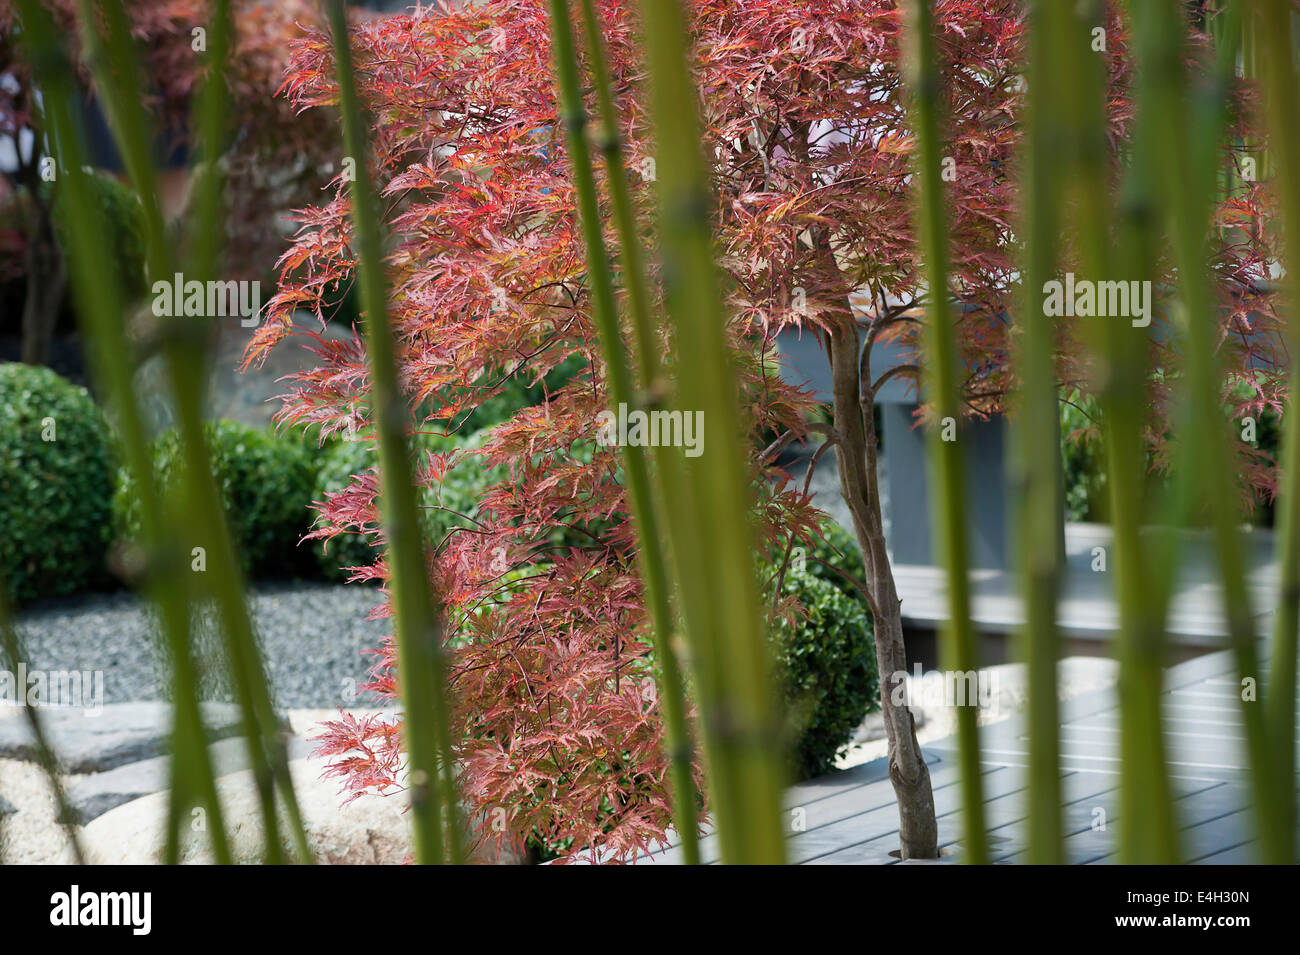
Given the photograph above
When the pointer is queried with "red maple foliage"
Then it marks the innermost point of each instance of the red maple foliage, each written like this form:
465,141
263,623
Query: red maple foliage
807,130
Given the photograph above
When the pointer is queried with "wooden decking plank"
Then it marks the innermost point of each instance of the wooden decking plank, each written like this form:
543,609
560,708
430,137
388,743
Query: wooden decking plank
858,801
861,827
1219,835
829,786
869,808
1195,755
838,845
1077,815
1219,806
1084,843
1216,719
1245,854
851,817
1112,731
877,851
1005,816
1096,757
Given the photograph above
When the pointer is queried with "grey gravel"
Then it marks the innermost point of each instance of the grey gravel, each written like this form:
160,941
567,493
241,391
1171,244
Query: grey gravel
312,634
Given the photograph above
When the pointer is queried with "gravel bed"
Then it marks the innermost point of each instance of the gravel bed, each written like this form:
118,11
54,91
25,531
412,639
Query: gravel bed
313,637
313,634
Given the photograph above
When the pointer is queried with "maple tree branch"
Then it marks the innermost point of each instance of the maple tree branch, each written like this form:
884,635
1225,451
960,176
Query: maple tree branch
807,483
908,369
900,315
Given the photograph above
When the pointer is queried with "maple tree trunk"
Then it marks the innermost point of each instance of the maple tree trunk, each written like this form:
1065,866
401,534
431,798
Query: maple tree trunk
45,286
853,403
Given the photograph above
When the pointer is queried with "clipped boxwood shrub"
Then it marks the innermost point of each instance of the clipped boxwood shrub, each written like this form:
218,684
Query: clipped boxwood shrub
265,482
1083,459
827,665
836,555
826,659
56,484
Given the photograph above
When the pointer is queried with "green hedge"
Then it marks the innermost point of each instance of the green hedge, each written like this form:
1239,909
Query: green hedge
265,483
826,660
1083,463
1083,459
516,394
835,556
268,484
56,484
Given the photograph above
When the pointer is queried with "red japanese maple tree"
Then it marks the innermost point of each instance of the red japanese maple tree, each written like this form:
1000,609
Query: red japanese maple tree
807,130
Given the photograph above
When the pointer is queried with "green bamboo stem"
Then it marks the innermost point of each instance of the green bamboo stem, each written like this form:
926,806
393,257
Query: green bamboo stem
112,62
621,392
610,143
187,369
187,364
1036,465
114,68
183,349
946,457
650,375
1148,828
1284,114
425,726
708,512
100,313
1252,68
210,117
1189,147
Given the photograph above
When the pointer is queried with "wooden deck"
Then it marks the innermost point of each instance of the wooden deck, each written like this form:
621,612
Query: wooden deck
1087,609
849,818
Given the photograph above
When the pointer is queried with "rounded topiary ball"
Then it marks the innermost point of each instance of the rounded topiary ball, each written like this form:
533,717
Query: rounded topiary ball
265,482
826,662
56,484
826,658
835,558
